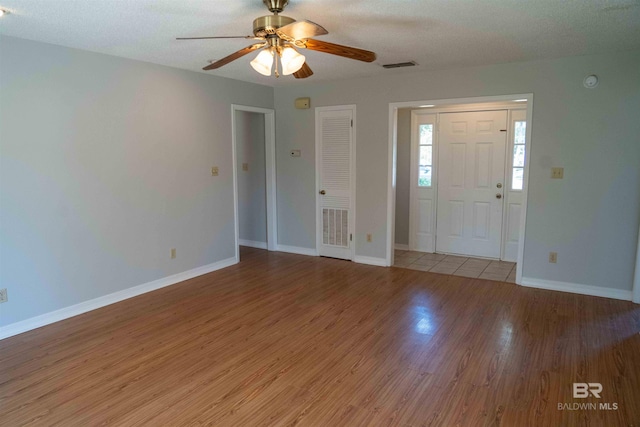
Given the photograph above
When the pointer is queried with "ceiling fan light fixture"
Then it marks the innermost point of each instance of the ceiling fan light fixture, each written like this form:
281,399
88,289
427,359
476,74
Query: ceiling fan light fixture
291,60
263,62
279,36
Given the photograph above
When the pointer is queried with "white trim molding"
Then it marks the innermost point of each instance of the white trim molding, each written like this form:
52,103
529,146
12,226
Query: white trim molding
297,250
93,304
576,288
401,247
380,262
252,244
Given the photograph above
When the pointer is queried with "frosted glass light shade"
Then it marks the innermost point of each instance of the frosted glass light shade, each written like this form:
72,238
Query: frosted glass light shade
291,60
263,62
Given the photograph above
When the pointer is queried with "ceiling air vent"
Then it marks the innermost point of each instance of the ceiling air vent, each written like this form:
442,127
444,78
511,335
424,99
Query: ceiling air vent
401,64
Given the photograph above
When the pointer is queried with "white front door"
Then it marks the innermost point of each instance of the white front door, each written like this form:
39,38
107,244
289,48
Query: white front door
335,163
422,191
471,163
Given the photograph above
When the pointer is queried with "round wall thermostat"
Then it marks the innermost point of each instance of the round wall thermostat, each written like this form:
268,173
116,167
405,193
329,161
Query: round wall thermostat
590,81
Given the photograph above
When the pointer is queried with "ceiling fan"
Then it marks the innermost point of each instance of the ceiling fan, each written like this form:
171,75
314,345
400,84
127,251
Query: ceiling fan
279,37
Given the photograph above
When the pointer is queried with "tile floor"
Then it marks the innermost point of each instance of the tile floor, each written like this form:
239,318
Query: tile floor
457,265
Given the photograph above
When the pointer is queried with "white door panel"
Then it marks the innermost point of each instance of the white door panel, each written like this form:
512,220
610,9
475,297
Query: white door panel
423,182
514,190
335,160
471,182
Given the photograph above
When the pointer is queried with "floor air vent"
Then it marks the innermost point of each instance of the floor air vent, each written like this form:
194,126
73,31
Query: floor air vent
401,64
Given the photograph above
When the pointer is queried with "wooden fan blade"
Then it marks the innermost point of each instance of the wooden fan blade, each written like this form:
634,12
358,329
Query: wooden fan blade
303,72
300,30
220,37
340,50
234,56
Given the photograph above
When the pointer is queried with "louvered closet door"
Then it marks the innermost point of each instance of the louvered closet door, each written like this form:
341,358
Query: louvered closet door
334,139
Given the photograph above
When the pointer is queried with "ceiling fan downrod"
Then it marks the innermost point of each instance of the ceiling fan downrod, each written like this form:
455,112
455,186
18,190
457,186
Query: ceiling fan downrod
275,6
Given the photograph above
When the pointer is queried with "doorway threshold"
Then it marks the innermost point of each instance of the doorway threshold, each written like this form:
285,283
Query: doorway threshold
457,265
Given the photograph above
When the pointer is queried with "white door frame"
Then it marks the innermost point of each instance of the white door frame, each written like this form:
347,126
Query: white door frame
635,296
352,207
393,149
270,178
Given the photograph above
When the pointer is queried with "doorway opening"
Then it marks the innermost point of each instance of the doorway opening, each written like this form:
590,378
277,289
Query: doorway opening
254,179
458,184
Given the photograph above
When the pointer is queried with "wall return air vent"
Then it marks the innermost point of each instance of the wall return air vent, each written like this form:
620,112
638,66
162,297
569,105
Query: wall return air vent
401,64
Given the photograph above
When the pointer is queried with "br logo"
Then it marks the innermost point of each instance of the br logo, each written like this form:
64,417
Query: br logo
583,390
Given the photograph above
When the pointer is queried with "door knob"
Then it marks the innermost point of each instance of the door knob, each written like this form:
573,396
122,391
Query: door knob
499,185
323,192
498,196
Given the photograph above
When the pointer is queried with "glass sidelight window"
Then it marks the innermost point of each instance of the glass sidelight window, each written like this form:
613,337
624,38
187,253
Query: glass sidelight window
425,155
517,170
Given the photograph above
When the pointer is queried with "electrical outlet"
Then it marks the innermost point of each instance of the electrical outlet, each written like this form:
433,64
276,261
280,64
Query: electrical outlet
369,238
214,171
173,253
557,173
3,295
553,257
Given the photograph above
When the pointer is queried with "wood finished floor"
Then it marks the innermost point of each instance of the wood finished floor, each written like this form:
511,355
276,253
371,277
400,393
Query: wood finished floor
284,339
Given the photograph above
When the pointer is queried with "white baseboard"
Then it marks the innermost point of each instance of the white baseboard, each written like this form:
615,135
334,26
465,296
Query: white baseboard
83,307
576,288
401,247
380,262
252,244
296,250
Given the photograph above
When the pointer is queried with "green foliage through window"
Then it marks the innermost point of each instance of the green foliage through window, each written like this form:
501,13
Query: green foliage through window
517,170
425,155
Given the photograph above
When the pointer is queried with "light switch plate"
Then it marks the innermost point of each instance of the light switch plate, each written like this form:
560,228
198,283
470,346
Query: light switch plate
557,173
245,167
214,171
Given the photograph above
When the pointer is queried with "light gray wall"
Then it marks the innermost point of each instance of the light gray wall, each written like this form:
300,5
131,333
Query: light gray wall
252,185
105,166
590,217
403,176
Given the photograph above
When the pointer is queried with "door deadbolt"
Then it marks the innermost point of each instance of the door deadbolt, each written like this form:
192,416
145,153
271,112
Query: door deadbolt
499,185
323,192
498,196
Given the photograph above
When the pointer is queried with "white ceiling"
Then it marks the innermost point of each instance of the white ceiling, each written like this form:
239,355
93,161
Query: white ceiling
437,34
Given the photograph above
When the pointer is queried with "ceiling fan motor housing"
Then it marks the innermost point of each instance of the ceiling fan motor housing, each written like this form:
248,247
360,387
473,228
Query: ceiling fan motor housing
275,6
267,25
